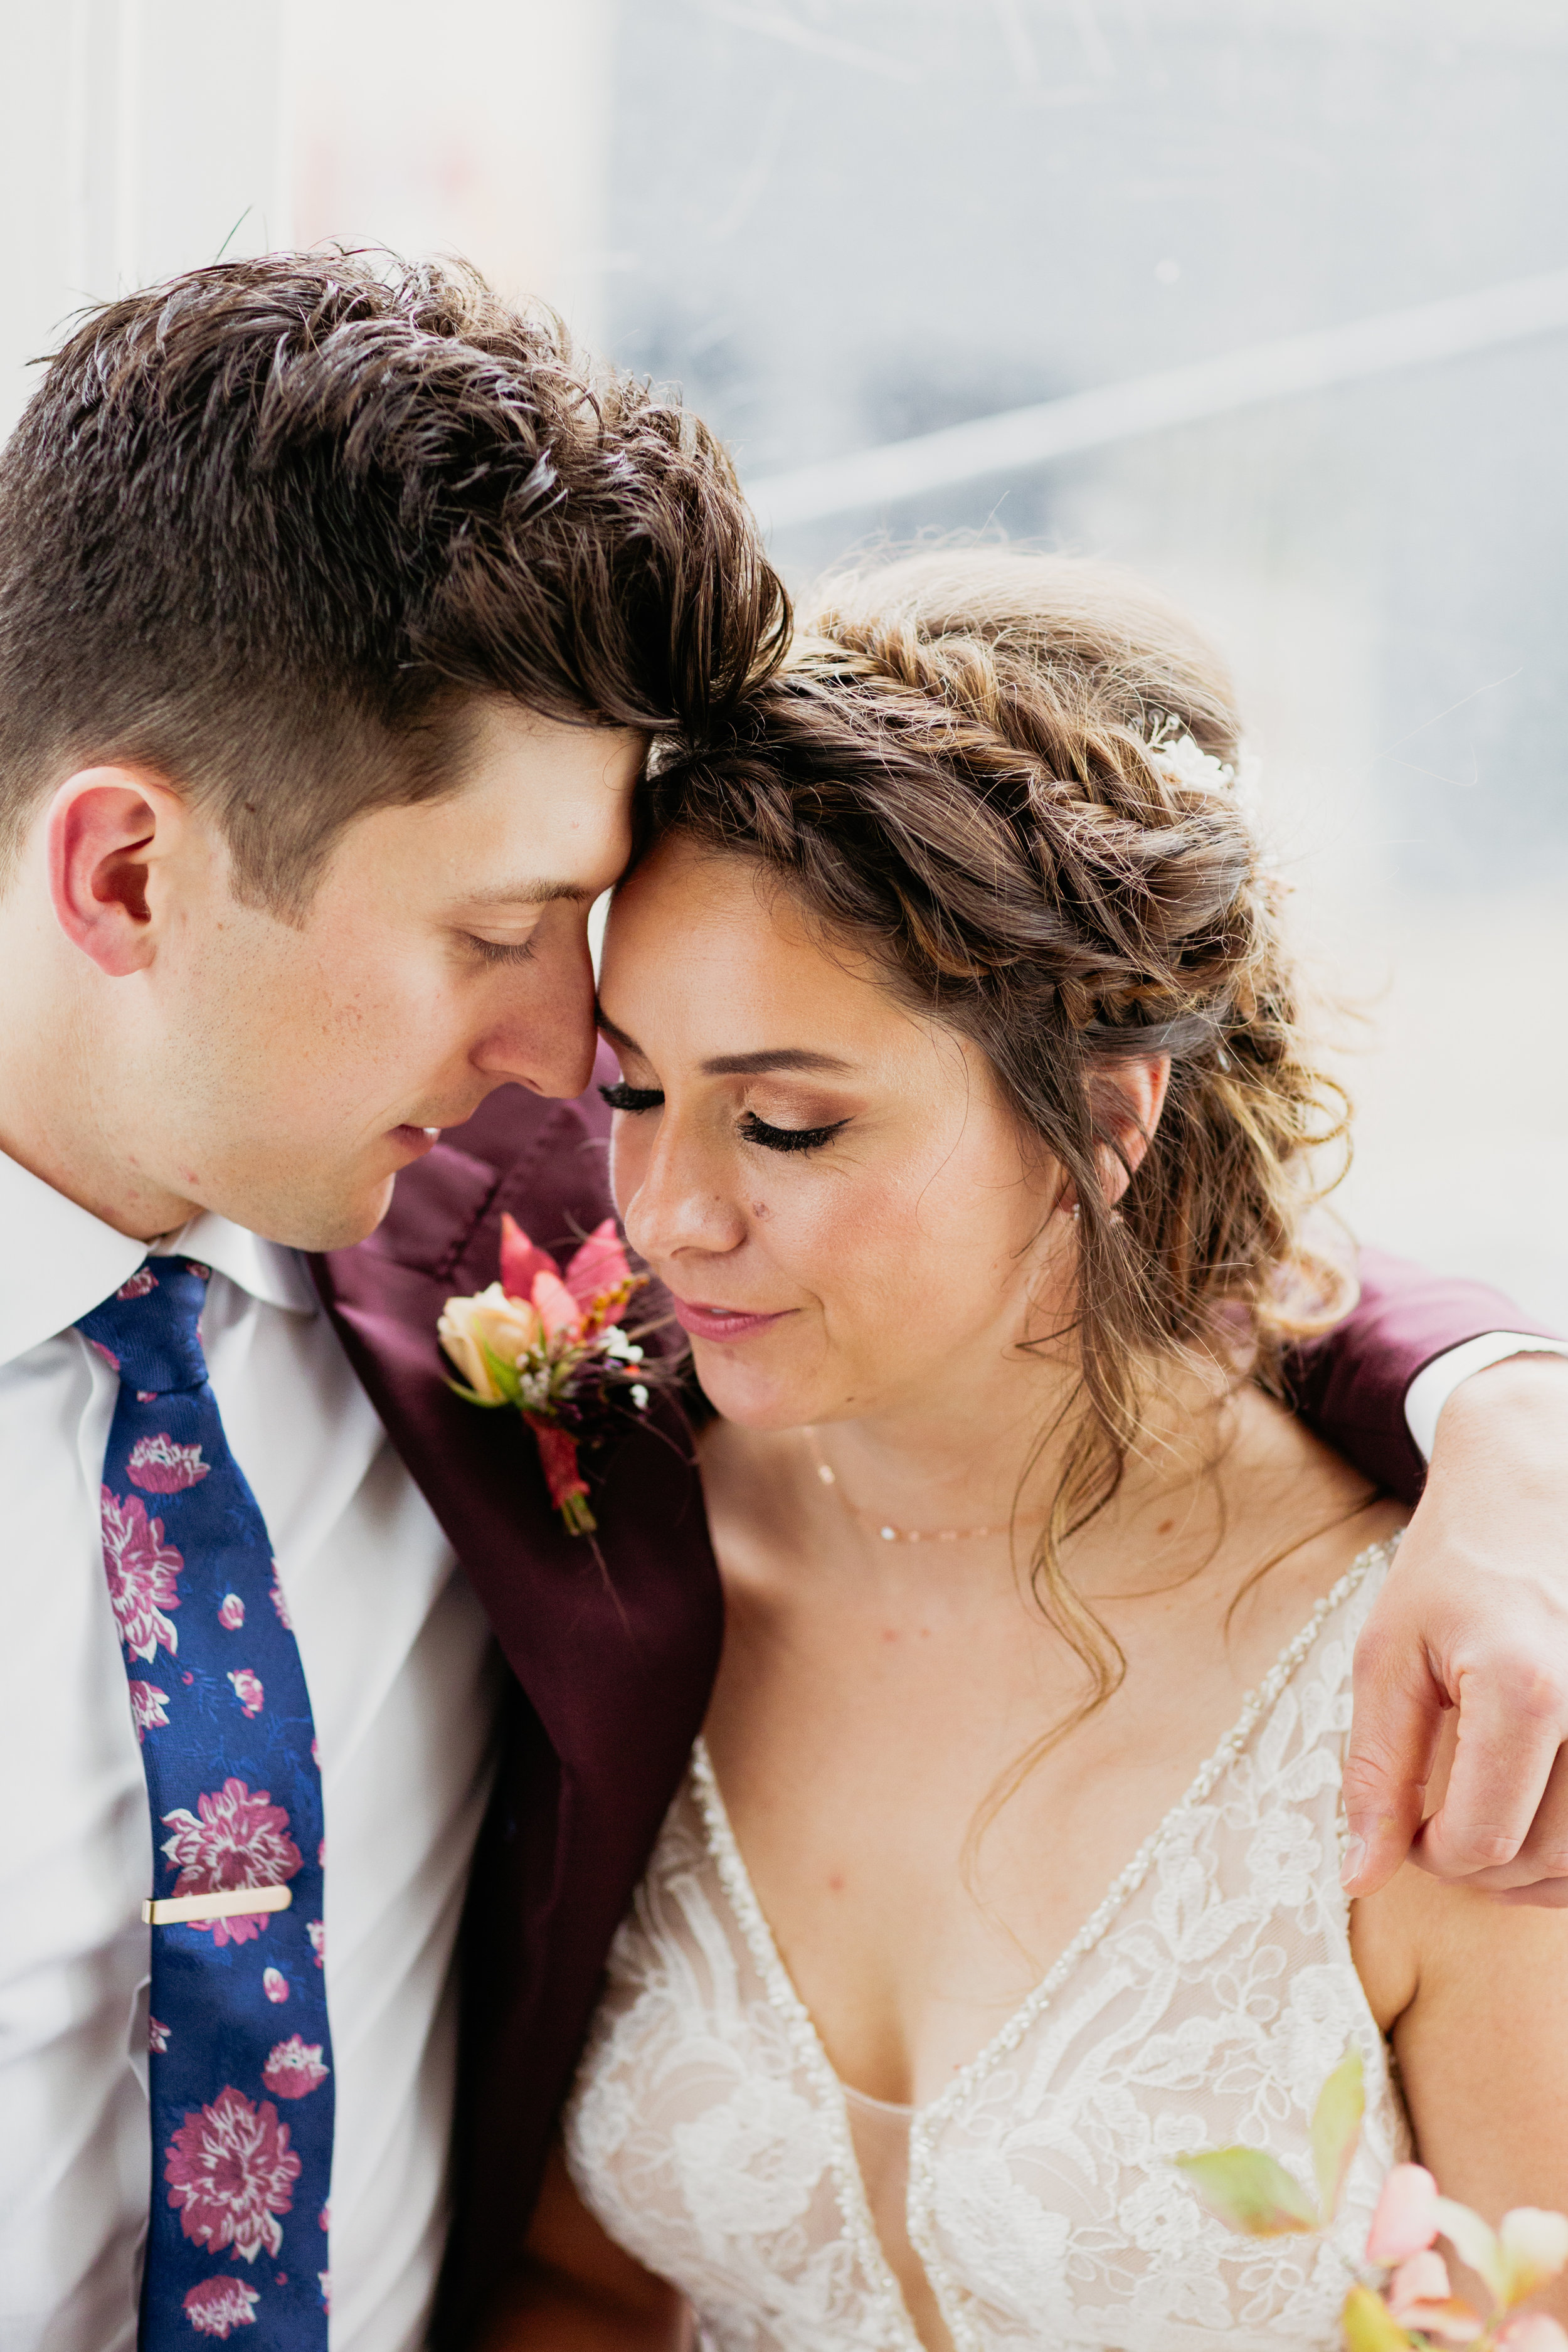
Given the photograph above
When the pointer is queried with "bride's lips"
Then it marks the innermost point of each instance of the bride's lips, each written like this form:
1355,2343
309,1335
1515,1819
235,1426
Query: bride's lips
721,1322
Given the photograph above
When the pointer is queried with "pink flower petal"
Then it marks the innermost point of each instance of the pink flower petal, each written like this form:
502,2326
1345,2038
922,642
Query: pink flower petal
1406,2221
1532,2331
520,1260
1423,2279
554,1304
599,1266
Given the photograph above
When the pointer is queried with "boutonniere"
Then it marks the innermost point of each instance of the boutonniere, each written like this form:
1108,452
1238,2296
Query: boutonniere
548,1341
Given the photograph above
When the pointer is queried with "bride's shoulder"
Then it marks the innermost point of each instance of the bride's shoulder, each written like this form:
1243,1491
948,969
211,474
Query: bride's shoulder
1303,1520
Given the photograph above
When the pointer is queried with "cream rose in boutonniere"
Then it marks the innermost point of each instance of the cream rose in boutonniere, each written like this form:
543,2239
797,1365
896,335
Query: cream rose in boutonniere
550,1344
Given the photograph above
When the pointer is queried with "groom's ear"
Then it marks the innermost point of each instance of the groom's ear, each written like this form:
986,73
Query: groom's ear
110,834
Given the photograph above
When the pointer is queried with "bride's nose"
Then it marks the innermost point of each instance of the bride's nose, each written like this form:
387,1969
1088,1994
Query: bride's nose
674,1197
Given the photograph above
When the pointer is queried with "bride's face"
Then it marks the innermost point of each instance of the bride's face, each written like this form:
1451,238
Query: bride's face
832,1189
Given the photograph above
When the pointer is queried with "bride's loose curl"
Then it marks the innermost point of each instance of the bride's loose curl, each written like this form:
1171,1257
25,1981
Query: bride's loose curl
963,769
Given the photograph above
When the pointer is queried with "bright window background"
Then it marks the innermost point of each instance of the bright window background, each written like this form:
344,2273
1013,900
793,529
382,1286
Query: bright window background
843,225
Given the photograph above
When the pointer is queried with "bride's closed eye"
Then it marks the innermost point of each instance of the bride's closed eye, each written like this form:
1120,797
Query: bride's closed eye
622,1097
787,1138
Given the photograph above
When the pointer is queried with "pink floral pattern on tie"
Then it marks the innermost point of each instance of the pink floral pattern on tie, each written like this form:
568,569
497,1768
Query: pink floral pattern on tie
219,2304
280,1604
157,2037
247,1690
142,1570
147,1708
138,1284
231,1613
161,1466
317,1935
241,1838
231,2172
275,1984
294,2068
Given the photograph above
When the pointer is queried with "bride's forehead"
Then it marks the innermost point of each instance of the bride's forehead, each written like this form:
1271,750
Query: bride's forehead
686,906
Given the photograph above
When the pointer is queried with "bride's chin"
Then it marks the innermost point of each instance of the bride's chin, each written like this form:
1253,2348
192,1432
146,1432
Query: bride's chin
760,1404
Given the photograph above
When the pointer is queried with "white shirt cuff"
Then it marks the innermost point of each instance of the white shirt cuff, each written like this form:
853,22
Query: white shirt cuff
1433,1386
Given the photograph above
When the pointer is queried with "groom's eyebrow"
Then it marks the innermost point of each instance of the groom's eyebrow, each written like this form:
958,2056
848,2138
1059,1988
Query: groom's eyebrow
531,893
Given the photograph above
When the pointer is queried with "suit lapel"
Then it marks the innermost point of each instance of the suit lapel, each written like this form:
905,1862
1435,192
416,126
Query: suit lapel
614,1643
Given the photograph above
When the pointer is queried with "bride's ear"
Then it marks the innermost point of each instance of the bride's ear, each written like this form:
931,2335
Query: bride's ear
1128,1097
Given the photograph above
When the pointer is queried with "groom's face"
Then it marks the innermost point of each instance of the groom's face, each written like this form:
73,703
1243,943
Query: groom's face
282,1073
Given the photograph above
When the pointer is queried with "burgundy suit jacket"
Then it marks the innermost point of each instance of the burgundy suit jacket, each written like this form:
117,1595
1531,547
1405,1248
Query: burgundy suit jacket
613,1656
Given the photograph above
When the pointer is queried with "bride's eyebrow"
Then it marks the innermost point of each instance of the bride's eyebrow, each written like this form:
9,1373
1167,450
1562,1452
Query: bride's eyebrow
740,1065
617,1037
782,1057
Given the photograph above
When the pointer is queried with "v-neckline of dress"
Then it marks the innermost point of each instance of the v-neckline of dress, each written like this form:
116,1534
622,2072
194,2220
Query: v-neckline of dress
724,1849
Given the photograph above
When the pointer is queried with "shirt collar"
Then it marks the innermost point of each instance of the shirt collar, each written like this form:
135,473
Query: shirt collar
62,1261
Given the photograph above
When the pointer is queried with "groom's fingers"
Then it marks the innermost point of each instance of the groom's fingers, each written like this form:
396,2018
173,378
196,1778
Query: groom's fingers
1538,1872
1500,1812
1395,1726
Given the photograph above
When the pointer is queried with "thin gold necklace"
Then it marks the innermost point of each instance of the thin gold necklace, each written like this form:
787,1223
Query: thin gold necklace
829,1477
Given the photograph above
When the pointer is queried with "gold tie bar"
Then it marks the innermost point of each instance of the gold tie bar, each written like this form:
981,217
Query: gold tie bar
168,1910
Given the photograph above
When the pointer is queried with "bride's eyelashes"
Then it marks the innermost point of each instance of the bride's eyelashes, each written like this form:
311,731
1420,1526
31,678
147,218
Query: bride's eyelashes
753,1130
787,1138
621,1096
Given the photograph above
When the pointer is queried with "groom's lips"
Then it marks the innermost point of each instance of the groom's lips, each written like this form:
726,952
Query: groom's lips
721,1322
415,1140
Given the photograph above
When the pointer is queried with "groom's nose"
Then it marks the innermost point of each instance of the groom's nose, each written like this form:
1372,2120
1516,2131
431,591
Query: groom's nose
544,1035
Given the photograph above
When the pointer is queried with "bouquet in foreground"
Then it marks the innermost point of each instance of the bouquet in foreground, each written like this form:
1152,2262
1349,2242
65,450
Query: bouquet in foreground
548,1341
1406,2305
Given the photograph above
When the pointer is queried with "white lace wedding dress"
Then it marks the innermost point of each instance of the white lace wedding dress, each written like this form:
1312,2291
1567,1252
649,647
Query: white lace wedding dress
1205,2003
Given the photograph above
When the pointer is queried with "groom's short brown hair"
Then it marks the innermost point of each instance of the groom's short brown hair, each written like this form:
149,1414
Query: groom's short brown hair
269,528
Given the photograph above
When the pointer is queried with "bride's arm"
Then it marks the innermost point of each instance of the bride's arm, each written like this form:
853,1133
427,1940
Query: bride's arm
578,2291
1475,1991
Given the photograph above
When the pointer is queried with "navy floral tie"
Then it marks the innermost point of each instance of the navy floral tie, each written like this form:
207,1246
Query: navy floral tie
240,2068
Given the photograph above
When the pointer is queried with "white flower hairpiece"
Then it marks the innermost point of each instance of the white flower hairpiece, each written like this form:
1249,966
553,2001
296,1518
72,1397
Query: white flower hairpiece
1191,769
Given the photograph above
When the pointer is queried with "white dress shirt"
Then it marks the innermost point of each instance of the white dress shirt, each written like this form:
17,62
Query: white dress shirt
403,1680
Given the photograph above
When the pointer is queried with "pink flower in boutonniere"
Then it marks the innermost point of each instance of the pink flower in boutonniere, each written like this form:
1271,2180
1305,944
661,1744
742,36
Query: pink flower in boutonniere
548,1343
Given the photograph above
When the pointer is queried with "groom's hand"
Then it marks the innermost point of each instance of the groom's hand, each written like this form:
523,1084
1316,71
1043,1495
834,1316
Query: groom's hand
1474,1616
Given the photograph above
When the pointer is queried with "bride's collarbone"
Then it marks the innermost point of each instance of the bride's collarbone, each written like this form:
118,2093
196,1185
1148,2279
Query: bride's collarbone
923,1848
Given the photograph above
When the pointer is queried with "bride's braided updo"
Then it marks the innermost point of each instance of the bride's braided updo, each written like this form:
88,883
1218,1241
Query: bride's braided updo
988,769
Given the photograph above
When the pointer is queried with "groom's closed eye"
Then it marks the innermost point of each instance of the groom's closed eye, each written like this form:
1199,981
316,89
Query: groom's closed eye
621,1096
496,951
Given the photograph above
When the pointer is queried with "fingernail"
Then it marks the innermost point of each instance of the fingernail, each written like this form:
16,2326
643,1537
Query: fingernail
1355,1857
